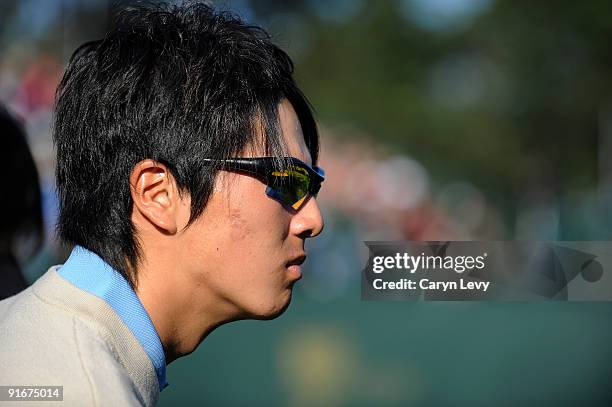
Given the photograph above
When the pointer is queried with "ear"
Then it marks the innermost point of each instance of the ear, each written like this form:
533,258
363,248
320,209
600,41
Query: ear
155,195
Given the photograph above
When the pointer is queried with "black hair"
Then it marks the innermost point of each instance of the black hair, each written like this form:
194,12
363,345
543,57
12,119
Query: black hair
175,84
22,220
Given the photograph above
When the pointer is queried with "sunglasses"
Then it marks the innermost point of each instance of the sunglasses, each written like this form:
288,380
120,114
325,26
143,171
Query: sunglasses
290,186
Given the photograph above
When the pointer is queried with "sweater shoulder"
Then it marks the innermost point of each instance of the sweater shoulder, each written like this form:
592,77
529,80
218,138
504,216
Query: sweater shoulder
43,343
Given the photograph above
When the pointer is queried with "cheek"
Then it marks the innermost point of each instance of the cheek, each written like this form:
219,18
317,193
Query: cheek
265,227
256,219
241,249
239,228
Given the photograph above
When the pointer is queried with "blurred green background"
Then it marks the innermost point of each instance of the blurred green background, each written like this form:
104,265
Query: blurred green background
440,119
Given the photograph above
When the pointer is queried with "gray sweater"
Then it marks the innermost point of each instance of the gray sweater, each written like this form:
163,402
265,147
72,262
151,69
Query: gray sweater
55,334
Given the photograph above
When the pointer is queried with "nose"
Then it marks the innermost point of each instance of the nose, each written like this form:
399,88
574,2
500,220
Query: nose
308,221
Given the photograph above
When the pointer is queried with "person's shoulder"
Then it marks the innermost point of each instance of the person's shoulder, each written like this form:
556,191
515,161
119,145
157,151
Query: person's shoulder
44,344
66,352
38,342
5,305
26,312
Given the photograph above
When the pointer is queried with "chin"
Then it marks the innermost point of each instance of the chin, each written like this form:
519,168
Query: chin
273,310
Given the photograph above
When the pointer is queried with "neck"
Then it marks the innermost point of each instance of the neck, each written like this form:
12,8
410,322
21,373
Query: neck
182,310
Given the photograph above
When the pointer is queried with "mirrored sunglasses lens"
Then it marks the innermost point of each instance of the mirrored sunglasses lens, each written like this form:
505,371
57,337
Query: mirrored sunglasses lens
291,186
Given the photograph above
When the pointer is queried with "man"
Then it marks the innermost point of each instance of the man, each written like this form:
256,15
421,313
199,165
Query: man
186,179
24,226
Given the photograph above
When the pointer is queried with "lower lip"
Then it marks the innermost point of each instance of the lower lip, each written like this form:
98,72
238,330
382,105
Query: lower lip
295,271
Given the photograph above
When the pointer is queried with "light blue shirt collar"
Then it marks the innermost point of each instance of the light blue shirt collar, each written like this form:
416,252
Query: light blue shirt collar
90,273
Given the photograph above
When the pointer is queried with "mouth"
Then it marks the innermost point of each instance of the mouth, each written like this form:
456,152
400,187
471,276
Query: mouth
294,267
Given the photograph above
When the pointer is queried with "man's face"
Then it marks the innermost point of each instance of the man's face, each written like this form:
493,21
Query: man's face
244,247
